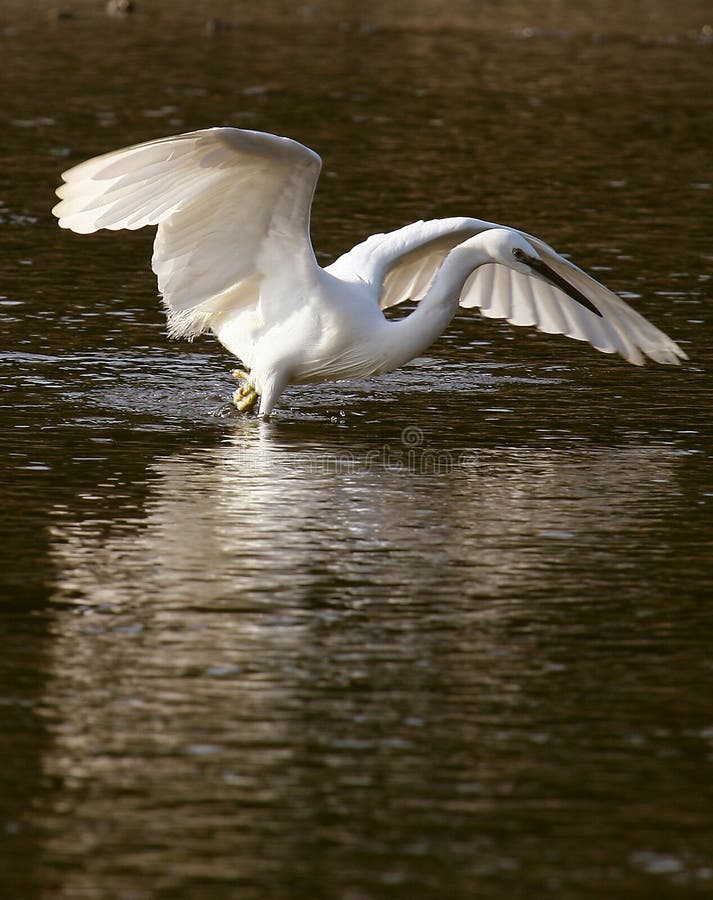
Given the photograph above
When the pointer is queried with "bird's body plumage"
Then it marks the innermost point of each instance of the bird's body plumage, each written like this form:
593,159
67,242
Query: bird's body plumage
233,255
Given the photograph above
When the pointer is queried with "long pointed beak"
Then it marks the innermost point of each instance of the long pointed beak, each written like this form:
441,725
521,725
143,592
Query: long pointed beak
559,282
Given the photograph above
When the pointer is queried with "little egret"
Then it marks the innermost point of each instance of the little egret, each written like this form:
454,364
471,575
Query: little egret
233,255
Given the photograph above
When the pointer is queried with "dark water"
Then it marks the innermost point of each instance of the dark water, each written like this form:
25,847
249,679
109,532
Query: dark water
445,633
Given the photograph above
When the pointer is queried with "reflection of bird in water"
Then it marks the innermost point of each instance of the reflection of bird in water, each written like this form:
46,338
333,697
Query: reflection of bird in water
233,255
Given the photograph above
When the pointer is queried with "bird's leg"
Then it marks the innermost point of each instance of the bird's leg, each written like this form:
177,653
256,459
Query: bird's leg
246,396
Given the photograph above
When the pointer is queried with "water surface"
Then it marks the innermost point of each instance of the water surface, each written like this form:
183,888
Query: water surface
444,633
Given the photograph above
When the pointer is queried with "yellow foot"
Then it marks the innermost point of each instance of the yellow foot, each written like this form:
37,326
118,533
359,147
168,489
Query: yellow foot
246,396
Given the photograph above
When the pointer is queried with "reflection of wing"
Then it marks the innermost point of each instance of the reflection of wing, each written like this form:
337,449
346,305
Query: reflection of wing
404,263
225,201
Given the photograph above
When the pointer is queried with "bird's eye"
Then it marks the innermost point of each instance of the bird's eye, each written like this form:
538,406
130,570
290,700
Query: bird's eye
518,254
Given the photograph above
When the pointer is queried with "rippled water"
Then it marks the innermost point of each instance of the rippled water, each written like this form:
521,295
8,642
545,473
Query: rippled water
444,633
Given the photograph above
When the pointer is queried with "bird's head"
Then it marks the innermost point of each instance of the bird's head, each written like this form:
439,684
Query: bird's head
512,249
509,248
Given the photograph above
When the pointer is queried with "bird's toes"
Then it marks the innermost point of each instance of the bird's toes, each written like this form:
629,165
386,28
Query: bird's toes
244,399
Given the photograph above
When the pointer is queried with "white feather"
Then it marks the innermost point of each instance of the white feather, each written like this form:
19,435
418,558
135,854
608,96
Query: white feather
223,200
233,254
407,260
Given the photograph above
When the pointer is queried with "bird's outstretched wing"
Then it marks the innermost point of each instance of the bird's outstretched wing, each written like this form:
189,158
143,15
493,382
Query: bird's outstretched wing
225,200
502,293
403,263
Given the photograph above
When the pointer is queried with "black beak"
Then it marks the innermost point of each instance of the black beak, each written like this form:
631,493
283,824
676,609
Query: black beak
558,281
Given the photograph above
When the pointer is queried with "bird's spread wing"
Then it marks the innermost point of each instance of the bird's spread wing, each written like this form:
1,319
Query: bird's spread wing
502,293
403,263
225,201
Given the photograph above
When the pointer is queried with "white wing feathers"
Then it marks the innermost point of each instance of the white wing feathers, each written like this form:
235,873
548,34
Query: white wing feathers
404,263
229,203
503,293
223,198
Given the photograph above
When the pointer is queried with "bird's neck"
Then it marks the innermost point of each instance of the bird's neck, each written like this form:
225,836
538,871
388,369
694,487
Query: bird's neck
417,331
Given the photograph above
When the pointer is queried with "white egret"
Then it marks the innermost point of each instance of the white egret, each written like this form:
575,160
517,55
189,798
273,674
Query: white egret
233,255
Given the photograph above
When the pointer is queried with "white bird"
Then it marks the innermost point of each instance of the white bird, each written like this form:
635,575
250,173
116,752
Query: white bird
233,255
